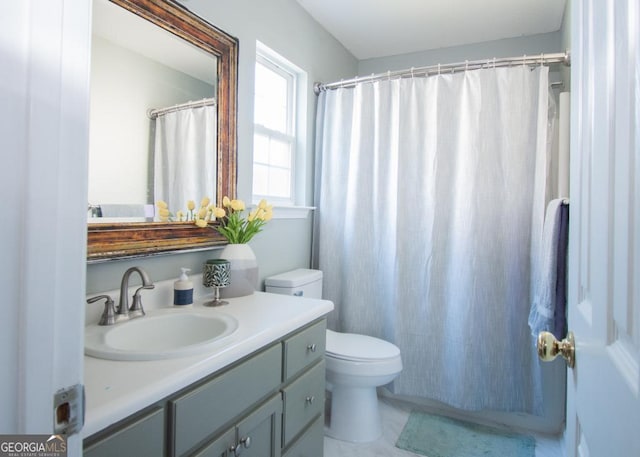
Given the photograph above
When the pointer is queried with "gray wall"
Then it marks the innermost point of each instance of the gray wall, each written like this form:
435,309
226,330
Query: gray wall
286,28
508,47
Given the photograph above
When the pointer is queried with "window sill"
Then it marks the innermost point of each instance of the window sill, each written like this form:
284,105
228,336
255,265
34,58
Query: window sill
292,212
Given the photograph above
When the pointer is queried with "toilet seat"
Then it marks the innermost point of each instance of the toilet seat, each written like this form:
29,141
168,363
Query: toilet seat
359,348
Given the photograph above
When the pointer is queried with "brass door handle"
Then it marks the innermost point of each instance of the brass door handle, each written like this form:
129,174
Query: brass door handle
549,348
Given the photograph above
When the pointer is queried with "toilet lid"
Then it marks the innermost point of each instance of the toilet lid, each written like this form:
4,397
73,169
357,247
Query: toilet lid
351,346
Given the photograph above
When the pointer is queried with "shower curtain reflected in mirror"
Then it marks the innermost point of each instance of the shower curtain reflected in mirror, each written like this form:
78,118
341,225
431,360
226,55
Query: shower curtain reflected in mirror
185,156
431,196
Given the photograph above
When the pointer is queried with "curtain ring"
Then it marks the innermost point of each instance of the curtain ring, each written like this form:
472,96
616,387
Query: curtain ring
388,75
438,69
411,72
524,60
494,62
542,59
466,65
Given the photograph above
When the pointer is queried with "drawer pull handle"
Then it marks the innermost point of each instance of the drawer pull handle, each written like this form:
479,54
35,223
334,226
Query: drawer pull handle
237,448
311,347
310,399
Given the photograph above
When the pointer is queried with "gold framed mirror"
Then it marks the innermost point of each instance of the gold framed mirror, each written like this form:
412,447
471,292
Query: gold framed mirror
130,239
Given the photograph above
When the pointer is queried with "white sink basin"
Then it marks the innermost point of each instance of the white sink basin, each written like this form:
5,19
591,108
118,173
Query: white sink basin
161,334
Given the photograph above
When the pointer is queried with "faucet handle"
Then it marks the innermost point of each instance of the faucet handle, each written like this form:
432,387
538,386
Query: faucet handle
136,309
109,314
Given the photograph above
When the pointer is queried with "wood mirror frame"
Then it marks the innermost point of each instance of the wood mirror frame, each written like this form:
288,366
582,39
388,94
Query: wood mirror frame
122,240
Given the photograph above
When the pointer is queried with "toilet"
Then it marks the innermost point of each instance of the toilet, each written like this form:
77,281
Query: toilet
355,366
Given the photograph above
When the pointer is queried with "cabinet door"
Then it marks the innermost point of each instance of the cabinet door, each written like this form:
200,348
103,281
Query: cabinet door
142,437
259,434
311,443
220,447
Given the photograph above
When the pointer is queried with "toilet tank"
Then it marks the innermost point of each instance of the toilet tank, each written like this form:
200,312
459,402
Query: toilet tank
301,282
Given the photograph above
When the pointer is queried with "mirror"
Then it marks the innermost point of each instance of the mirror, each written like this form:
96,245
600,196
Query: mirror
118,238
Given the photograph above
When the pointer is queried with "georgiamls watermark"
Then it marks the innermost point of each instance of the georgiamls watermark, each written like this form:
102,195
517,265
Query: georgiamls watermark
33,446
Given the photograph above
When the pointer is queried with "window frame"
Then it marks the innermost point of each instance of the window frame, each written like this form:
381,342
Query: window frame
280,66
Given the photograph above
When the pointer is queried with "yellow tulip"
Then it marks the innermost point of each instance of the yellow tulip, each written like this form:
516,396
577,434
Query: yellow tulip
162,204
191,205
201,223
202,213
163,212
252,215
219,212
237,205
262,204
205,202
267,215
226,202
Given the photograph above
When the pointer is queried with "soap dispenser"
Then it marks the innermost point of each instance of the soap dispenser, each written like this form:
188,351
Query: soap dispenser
183,289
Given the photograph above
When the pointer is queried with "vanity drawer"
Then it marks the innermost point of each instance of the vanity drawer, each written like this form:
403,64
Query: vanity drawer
303,401
311,443
202,411
304,348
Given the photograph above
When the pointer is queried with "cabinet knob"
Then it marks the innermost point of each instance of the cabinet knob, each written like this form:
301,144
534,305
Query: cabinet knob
244,443
311,347
310,399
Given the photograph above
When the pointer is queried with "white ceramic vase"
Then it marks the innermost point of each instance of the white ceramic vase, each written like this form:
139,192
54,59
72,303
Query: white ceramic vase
244,271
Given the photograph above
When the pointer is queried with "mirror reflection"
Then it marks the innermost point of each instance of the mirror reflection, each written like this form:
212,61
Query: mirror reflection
153,118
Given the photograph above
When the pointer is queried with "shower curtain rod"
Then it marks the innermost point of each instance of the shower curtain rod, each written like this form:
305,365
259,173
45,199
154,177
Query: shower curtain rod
540,59
154,113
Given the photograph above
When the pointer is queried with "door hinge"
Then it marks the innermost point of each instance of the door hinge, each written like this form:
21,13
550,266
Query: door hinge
68,410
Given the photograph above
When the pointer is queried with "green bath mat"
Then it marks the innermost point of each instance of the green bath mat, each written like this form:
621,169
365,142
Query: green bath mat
436,436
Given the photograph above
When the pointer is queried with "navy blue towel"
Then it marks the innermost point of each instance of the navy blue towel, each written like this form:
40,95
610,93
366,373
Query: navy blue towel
560,315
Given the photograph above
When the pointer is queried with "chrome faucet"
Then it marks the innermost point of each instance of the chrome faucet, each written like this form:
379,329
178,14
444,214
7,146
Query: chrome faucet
136,310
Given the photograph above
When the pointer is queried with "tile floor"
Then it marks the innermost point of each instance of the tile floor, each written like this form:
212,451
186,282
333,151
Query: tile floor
394,417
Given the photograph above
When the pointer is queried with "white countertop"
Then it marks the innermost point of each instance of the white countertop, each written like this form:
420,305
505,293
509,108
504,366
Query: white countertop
115,390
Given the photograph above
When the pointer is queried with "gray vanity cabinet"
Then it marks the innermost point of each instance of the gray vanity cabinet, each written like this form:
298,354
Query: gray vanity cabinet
269,404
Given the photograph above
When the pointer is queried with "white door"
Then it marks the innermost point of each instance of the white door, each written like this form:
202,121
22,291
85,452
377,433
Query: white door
603,405
44,62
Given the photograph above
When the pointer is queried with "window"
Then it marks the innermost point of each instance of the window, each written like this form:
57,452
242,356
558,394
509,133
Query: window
274,135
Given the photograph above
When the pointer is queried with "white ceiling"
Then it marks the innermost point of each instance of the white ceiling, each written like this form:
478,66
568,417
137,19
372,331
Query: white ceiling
377,28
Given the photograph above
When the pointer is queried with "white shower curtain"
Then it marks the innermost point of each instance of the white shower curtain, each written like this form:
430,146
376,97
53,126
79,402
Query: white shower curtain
431,196
185,156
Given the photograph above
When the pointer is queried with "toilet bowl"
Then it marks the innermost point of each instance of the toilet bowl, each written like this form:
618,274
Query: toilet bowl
355,366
